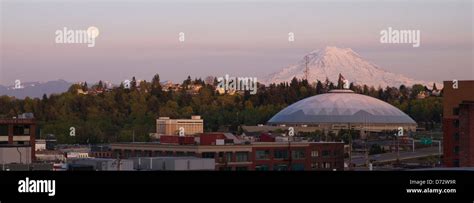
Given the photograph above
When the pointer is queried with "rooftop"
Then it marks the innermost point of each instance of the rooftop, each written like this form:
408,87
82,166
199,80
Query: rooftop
341,106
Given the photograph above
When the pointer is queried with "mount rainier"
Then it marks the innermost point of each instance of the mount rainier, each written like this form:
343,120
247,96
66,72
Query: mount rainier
332,61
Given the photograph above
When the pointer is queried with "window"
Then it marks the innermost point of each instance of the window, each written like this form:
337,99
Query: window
241,168
208,155
297,167
456,123
456,136
241,156
262,167
180,154
326,153
3,130
315,165
315,153
456,150
262,154
26,130
228,156
326,165
456,111
127,153
456,162
280,167
21,130
225,168
280,154
298,154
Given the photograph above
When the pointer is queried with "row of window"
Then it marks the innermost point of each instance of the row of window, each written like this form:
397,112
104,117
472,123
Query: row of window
227,156
17,130
237,168
317,165
279,154
294,167
239,156
324,153
280,167
283,154
138,153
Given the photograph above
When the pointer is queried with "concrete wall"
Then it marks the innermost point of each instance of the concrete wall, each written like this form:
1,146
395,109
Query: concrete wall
173,163
15,155
104,164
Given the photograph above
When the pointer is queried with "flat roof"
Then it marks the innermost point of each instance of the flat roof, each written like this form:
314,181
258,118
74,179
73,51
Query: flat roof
17,121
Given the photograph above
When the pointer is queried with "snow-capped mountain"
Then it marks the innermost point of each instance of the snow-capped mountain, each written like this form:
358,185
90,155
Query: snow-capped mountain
332,61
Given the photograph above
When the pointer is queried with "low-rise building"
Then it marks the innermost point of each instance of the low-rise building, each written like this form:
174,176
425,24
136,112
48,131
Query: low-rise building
99,164
167,126
173,164
17,139
231,153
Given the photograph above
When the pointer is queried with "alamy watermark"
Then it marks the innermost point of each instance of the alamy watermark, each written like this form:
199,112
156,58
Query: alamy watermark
70,36
233,84
394,36
37,186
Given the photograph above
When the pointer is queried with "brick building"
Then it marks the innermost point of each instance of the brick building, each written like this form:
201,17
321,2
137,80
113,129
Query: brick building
230,153
305,156
458,123
466,134
17,140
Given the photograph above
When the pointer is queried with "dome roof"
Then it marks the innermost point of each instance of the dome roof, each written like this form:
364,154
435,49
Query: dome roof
340,106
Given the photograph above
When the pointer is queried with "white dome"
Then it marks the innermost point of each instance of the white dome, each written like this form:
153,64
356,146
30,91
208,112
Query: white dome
340,106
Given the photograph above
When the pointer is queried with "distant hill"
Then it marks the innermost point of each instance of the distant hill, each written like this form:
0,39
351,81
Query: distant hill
36,89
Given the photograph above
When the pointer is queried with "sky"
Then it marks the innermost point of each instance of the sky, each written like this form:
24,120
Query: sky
239,38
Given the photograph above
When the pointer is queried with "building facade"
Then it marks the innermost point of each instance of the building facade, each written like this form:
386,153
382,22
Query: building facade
17,139
230,155
298,156
458,133
466,134
167,126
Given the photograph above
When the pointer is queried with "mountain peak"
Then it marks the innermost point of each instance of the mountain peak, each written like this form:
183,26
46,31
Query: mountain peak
332,50
331,61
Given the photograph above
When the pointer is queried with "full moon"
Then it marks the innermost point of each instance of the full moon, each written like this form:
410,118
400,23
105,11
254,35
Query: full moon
93,31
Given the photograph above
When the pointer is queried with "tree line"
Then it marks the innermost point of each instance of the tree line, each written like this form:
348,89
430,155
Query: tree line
124,114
